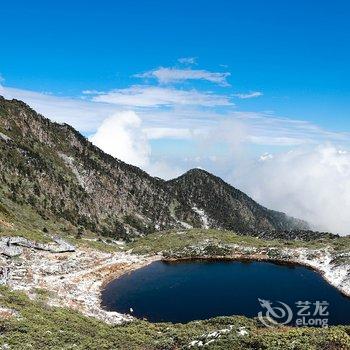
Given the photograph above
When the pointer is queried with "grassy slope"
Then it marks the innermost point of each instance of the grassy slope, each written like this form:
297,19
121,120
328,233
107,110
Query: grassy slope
21,220
41,327
177,241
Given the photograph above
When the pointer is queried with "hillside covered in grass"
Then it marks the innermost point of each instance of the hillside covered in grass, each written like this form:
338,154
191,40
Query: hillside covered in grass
31,324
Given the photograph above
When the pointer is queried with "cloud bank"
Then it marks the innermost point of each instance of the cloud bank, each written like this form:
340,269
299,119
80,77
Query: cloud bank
312,183
120,136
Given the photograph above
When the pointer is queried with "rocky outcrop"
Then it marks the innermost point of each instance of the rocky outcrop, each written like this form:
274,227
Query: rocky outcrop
11,246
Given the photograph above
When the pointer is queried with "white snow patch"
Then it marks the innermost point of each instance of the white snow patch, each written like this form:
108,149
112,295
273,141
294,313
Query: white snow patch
185,224
203,216
242,331
74,279
5,137
207,339
70,162
323,261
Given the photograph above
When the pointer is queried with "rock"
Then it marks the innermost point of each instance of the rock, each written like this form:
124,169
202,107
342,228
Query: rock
6,313
9,250
242,331
4,137
11,246
63,246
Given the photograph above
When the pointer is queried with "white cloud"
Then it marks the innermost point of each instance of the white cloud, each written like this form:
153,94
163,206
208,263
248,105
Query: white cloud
165,169
187,60
249,95
266,156
266,129
232,133
312,183
120,136
173,113
91,92
174,75
83,115
173,133
153,96
278,140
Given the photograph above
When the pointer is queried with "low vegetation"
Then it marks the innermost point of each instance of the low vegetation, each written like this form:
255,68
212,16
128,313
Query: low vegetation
38,326
179,240
29,224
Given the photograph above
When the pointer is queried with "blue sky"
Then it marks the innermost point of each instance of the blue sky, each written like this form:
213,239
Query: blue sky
296,52
230,86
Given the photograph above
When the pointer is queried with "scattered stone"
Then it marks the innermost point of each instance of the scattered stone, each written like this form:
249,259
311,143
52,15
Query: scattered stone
63,246
242,331
203,216
72,278
10,250
5,137
11,246
6,313
207,339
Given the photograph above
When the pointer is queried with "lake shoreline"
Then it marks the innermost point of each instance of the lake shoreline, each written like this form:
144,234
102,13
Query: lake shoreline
259,258
311,265
237,284
77,279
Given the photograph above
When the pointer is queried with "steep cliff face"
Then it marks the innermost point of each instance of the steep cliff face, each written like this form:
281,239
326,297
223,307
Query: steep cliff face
60,174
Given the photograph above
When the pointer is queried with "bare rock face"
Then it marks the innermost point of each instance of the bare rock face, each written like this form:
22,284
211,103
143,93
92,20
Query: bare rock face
60,174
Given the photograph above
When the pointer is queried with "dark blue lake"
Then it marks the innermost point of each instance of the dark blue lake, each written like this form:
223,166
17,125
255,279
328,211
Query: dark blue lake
187,291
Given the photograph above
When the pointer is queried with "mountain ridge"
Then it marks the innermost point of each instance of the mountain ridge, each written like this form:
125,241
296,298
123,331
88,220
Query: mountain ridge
228,199
61,174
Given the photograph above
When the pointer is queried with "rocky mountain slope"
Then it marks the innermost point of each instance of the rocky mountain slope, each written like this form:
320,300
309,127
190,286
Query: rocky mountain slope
61,175
223,206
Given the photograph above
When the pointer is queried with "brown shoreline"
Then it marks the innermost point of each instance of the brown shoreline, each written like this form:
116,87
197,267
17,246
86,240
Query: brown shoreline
123,270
